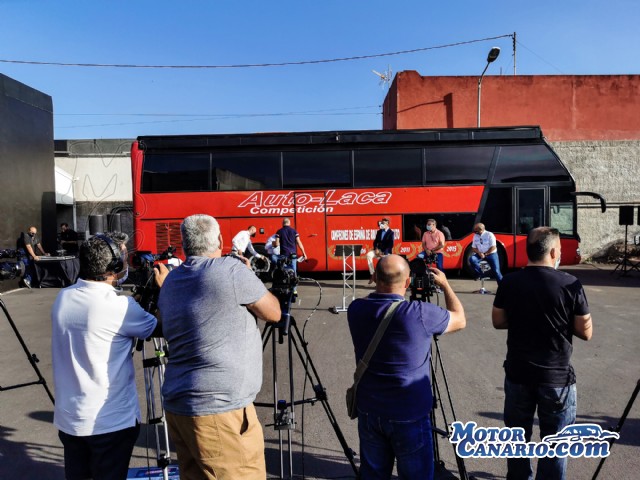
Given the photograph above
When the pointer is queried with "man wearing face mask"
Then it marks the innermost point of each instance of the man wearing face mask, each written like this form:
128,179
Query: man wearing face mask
93,332
542,309
28,246
433,243
382,245
241,243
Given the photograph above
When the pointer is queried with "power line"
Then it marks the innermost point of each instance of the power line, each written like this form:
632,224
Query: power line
252,65
211,115
222,117
542,59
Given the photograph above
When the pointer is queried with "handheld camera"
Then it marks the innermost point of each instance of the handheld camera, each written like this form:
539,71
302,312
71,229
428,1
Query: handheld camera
143,278
423,284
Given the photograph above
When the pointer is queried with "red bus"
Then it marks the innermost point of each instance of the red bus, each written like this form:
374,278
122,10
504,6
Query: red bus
335,186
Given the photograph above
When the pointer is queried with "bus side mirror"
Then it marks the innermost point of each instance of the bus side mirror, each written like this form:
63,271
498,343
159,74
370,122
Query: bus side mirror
597,196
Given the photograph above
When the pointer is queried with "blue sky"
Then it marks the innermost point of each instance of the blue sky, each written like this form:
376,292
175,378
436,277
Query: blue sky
554,37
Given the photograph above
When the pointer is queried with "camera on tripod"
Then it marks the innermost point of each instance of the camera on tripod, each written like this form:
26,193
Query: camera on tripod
284,277
143,278
423,283
10,270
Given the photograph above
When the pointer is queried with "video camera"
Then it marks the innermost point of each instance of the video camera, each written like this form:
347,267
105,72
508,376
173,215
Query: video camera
423,284
284,278
10,270
143,278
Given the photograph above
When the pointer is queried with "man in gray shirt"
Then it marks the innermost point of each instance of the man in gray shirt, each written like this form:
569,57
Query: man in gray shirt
214,373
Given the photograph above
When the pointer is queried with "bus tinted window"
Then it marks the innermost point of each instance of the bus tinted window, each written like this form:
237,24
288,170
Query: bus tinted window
528,163
459,224
316,169
562,211
182,172
497,215
246,170
387,168
458,164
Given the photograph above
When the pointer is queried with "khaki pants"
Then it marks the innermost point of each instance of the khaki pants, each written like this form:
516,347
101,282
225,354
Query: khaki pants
371,254
224,446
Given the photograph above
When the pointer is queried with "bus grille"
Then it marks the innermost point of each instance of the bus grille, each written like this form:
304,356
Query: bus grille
168,234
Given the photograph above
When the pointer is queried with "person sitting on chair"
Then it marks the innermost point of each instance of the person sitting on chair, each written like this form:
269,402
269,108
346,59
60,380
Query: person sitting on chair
382,245
485,248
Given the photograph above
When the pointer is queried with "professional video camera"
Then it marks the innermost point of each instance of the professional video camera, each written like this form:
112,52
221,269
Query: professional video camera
423,285
284,278
10,270
143,279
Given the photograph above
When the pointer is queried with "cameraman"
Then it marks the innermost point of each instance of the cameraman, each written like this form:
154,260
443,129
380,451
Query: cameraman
93,331
214,371
394,397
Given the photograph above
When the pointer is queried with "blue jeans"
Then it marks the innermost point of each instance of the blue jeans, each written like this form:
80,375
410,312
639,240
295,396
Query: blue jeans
493,261
556,410
383,440
27,263
439,259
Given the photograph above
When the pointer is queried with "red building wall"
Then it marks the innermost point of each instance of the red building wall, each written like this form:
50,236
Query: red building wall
567,107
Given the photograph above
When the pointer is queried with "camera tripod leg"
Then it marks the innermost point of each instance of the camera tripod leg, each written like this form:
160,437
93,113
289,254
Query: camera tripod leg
154,378
296,341
437,363
33,359
618,427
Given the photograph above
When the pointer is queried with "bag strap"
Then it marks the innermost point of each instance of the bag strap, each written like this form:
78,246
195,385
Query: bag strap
364,361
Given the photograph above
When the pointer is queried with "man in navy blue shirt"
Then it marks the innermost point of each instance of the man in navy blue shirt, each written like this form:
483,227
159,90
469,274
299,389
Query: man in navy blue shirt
288,240
394,395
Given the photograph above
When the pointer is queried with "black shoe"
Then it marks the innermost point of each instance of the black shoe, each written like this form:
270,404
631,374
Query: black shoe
26,283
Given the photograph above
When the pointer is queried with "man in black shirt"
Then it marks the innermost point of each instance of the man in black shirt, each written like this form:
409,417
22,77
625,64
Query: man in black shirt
68,239
28,246
542,309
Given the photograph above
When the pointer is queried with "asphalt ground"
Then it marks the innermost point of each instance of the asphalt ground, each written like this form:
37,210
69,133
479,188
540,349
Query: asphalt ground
607,368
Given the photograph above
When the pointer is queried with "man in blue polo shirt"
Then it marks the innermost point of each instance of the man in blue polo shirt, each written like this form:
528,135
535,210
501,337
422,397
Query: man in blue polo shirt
394,395
288,240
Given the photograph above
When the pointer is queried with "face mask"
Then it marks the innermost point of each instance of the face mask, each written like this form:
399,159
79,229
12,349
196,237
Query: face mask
429,228
557,264
379,225
32,234
124,277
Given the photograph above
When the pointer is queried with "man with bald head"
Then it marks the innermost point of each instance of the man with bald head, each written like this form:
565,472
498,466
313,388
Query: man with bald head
394,395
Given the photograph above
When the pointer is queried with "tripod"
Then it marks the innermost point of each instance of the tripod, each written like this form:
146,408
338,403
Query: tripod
625,265
154,378
619,425
422,289
284,410
33,360
436,362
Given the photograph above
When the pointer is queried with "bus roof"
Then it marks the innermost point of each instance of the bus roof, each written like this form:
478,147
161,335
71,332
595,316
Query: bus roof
527,133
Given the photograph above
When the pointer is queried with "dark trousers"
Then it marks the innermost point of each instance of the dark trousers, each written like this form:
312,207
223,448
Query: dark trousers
100,457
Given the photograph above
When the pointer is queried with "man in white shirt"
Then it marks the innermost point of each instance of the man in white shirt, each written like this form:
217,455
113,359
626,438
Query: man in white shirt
485,248
242,242
93,332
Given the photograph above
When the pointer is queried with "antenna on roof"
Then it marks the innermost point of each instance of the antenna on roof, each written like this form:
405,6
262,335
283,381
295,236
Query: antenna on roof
385,77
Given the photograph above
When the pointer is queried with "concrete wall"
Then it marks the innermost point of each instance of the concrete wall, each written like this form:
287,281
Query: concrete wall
27,184
612,169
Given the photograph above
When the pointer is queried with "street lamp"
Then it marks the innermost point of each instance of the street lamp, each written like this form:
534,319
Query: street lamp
493,54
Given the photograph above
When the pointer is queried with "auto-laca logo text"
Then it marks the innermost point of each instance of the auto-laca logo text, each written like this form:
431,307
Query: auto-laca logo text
577,440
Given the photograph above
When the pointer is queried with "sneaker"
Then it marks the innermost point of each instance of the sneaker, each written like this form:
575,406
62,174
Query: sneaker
26,282
370,280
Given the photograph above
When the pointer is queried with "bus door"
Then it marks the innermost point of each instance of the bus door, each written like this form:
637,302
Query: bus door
531,212
310,223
